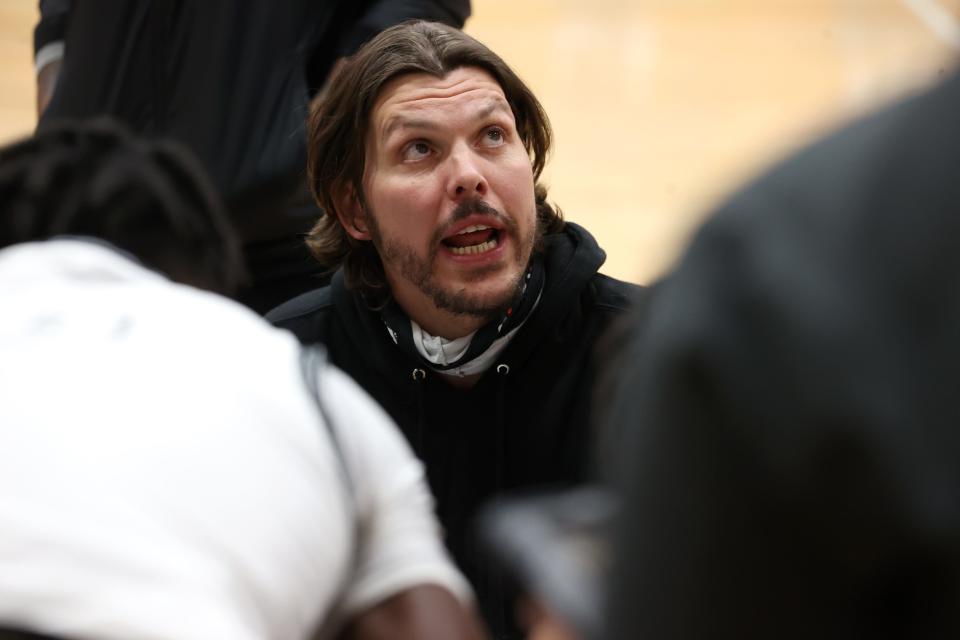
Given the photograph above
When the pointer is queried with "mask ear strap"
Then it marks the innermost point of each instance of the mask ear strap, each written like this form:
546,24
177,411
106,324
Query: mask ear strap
944,24
312,361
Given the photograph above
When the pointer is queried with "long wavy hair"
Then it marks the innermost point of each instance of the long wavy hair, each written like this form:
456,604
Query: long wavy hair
339,123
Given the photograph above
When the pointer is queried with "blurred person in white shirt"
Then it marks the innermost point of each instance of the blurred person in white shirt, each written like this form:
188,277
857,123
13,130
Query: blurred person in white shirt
170,465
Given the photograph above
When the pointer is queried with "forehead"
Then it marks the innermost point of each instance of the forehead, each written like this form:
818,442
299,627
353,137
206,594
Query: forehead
420,97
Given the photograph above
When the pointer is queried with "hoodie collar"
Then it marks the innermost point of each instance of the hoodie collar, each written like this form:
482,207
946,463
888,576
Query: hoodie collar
571,258
469,354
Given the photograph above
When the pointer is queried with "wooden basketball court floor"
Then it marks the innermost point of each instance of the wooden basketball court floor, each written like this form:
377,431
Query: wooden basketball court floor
659,107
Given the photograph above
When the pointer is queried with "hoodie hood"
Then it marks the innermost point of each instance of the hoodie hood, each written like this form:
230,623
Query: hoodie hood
571,258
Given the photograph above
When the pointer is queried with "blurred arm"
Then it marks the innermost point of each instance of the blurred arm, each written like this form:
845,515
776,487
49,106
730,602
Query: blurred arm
403,584
48,48
423,612
387,13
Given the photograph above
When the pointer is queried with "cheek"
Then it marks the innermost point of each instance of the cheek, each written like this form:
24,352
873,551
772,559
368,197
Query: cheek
408,217
517,192
403,204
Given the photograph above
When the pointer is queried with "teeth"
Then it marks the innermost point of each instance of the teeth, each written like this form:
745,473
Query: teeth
474,248
472,228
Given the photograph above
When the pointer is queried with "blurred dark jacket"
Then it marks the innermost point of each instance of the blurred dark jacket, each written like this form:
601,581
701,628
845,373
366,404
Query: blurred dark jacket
230,78
792,406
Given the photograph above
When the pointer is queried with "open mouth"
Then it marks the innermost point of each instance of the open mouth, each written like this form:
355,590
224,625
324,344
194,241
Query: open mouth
477,238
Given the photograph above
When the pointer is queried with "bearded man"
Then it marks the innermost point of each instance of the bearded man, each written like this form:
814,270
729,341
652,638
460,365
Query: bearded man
462,301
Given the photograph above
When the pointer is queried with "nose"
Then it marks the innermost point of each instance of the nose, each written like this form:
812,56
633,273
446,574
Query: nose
466,178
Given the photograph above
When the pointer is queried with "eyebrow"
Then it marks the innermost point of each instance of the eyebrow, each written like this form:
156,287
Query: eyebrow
495,104
403,122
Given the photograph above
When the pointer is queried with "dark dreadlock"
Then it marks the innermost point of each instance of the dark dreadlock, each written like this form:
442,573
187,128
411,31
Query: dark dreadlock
151,199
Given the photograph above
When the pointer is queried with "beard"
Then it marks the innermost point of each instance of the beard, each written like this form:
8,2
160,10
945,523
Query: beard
418,270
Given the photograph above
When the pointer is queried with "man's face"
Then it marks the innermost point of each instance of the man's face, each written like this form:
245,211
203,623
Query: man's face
449,200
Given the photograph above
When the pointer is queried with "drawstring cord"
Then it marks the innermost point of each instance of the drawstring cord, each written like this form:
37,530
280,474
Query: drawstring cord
496,574
419,375
503,370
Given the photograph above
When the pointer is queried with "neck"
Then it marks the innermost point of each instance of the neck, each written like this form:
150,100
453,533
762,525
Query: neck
432,319
445,324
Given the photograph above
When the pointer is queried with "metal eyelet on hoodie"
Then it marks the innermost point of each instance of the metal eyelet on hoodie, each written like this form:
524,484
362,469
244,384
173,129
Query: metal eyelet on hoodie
503,369
419,374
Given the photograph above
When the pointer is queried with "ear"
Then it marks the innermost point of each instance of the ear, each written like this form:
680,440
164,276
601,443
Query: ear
351,215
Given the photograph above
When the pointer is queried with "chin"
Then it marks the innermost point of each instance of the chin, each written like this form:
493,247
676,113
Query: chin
478,300
468,298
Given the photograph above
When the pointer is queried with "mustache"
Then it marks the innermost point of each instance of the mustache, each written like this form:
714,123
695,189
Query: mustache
469,207
466,209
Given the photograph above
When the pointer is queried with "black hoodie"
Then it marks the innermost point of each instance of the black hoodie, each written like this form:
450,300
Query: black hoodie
525,421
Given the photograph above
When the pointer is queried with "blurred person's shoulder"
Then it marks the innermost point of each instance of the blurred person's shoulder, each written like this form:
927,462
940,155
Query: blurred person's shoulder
864,172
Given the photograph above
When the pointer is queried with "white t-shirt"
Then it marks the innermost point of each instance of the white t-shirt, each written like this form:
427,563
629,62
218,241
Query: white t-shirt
164,472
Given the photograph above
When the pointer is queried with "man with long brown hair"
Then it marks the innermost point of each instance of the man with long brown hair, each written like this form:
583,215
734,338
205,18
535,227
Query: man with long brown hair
461,300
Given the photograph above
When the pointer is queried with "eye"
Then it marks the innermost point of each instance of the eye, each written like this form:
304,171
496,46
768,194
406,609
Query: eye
493,137
416,150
